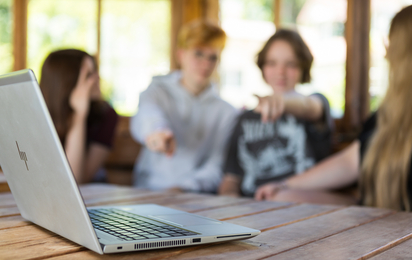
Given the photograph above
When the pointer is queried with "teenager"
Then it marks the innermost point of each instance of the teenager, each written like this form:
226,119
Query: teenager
288,132
181,120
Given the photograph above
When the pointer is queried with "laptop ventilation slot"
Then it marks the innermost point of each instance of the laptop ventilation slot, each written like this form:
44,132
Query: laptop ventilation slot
160,244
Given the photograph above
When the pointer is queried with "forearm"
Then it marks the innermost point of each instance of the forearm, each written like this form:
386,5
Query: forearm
96,156
75,146
230,185
335,172
148,120
308,108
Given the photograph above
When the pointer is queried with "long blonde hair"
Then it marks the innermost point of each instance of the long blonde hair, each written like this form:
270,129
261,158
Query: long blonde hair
385,168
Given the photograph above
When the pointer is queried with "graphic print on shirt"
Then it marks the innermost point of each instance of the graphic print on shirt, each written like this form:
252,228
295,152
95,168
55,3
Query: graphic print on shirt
271,150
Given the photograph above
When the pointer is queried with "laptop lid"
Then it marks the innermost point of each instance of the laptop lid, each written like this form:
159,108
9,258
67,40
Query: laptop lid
35,164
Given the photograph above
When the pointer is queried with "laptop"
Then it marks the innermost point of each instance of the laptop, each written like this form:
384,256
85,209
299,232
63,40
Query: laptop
46,193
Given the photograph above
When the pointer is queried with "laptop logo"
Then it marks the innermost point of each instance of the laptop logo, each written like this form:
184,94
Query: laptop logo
23,156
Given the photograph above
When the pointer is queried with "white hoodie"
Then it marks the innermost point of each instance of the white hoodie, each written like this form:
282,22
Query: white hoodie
201,126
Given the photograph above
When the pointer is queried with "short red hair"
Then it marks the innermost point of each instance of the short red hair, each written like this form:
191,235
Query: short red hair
201,33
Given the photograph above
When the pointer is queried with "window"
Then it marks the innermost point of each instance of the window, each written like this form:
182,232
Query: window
6,53
54,25
248,24
135,46
382,13
134,41
321,25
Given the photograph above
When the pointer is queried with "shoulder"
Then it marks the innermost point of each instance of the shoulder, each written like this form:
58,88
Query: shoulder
102,129
370,123
368,127
219,107
322,99
163,82
248,116
111,114
225,106
367,131
326,122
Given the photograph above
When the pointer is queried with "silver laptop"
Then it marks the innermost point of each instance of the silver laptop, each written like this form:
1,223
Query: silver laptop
46,193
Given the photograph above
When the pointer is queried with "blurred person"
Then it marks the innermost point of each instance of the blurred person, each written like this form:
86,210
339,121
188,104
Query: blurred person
288,132
380,159
181,120
84,122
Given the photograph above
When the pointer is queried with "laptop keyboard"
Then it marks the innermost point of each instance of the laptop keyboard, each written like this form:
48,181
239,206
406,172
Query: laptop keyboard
128,226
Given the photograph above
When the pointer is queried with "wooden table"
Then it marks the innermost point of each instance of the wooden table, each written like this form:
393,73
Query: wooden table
289,231
3,183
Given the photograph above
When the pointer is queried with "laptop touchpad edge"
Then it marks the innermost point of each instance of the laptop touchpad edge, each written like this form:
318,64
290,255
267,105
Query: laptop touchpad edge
185,219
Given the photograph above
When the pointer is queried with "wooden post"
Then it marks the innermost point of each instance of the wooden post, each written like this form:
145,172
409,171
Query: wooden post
357,65
20,34
99,25
184,11
277,7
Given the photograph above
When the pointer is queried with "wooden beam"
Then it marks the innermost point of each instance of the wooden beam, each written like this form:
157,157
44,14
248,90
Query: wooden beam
177,13
20,34
276,11
192,10
357,65
99,26
184,11
211,10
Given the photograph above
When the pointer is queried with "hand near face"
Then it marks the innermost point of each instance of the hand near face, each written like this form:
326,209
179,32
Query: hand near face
162,142
270,107
80,96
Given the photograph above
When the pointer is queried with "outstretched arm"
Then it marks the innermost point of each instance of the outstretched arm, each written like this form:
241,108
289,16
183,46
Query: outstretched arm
309,108
150,125
337,171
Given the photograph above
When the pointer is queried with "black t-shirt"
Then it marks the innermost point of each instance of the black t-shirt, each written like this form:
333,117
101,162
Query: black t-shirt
263,152
101,130
364,138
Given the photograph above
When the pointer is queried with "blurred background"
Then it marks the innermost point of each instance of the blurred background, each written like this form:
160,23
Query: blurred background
134,40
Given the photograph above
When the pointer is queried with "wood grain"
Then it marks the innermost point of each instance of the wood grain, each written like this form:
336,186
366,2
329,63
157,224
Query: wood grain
4,187
289,237
401,251
361,241
289,231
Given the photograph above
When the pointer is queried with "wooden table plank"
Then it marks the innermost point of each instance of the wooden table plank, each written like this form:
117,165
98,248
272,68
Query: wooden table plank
9,211
13,222
229,214
237,211
4,187
289,237
286,216
7,200
289,231
23,234
402,251
264,245
357,243
211,202
38,234
39,249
